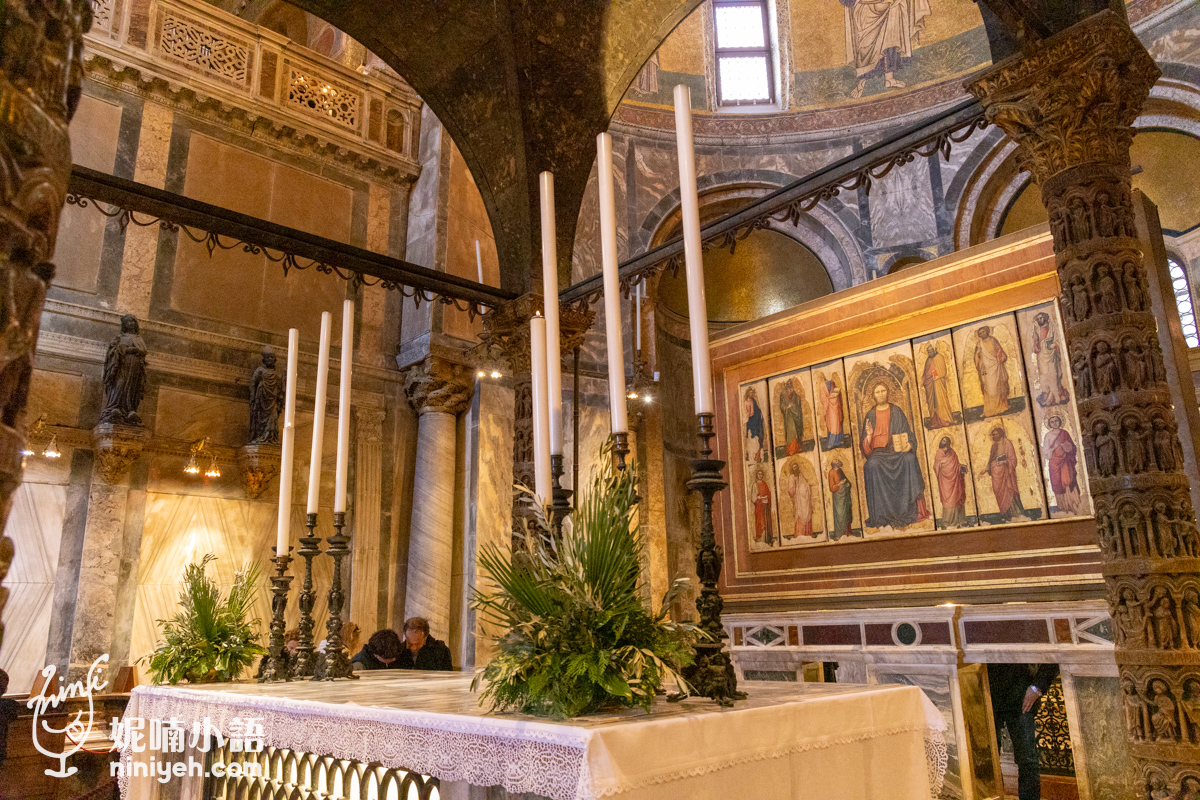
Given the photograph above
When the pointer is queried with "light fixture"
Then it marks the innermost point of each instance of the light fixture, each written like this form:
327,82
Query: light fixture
495,373
191,468
35,430
51,450
647,398
481,374
198,447
213,470
633,395
25,451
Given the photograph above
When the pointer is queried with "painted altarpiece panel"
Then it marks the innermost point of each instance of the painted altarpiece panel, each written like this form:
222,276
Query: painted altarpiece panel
1054,411
801,511
843,510
1000,434
890,456
759,468
951,487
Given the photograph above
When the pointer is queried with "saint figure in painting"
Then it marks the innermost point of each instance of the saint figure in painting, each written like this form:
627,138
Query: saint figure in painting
761,498
1047,350
891,473
952,487
1063,460
756,426
990,360
843,508
880,38
1002,469
829,396
793,415
795,485
936,382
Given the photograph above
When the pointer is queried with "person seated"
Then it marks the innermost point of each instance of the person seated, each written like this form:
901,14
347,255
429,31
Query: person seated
291,641
382,651
9,709
421,650
350,636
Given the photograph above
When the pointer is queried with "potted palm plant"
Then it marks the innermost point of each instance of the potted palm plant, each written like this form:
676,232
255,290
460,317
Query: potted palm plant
574,634
211,638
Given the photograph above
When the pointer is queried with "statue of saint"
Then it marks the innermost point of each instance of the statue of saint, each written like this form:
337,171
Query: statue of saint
266,390
124,375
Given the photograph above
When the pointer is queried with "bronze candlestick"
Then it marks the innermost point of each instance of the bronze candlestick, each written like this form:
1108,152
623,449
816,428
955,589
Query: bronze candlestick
310,546
277,668
621,448
334,663
712,675
560,508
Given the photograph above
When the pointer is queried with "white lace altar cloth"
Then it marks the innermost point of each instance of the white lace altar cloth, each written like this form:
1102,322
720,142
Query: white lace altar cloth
787,741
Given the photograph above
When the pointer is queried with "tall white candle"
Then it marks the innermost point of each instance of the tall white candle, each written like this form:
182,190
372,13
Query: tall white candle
318,437
612,289
343,442
692,254
478,261
287,441
637,319
550,291
541,412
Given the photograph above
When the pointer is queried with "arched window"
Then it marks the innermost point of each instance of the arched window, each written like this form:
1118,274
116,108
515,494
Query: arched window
745,61
1183,299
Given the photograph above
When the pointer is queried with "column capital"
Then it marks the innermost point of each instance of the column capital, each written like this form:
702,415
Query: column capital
505,335
1072,98
369,422
574,321
117,447
439,386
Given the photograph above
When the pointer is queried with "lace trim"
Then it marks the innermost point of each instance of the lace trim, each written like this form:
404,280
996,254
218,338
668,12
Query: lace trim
521,756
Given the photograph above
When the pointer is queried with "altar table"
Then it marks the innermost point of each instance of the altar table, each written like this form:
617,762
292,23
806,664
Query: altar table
787,741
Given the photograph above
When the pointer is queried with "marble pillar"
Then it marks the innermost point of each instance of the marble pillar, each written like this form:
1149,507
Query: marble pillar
1069,103
488,506
141,243
368,496
439,391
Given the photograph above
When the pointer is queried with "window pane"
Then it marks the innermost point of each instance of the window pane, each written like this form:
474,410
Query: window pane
740,26
1183,300
744,78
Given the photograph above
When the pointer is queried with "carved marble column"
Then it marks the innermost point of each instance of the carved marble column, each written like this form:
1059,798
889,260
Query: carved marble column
368,495
41,45
439,391
1069,103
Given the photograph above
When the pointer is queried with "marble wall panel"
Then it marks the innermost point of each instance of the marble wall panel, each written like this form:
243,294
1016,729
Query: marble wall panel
141,243
902,208
190,415
1110,772
467,223
35,526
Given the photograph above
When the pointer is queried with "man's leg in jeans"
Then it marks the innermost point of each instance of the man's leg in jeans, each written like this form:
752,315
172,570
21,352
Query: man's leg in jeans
1025,753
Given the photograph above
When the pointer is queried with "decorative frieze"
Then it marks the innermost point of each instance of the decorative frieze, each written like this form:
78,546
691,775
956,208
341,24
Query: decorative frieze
324,97
208,50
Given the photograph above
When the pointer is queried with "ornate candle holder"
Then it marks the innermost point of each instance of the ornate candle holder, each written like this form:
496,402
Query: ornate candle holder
334,662
712,675
310,546
277,668
560,508
621,449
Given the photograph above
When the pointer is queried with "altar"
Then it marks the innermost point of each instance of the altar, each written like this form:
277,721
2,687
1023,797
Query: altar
786,741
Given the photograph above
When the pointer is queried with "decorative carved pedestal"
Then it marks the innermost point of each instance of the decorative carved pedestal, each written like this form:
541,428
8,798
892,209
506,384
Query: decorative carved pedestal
116,448
259,464
1069,103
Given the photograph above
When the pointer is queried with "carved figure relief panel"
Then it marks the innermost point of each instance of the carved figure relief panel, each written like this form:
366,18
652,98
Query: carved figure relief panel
971,426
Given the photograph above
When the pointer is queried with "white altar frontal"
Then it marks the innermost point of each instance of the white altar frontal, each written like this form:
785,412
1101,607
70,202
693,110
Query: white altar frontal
411,735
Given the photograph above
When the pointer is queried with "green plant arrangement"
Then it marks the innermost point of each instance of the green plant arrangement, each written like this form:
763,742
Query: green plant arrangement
576,635
210,639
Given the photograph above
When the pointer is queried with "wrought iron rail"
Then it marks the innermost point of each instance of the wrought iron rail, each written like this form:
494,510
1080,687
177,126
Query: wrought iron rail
138,204
785,205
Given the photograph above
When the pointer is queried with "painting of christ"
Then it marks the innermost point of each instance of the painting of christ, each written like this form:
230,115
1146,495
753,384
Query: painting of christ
892,479
880,38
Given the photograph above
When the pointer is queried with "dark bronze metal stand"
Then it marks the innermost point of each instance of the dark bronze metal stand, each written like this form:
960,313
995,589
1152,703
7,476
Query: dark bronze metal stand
277,668
334,663
621,449
560,509
309,546
712,675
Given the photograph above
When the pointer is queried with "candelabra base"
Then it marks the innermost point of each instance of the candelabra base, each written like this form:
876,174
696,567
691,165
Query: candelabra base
277,668
310,546
334,662
620,449
560,507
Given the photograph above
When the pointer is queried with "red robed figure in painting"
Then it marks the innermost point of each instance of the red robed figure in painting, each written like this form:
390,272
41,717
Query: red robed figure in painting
1002,467
1061,452
762,508
892,477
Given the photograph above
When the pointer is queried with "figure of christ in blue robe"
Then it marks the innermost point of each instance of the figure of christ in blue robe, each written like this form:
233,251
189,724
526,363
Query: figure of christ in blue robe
894,485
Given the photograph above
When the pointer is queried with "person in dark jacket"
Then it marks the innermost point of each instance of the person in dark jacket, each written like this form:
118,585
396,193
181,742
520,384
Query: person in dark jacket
1017,690
382,651
421,650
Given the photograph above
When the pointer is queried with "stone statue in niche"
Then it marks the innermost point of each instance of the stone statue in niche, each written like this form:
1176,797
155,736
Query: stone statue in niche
1082,375
1106,449
1080,226
1107,300
1190,606
1134,709
1079,299
1135,298
1107,216
1162,617
1135,446
1162,713
1189,704
1135,364
266,390
1164,445
1110,538
124,375
1130,618
1164,530
1105,371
